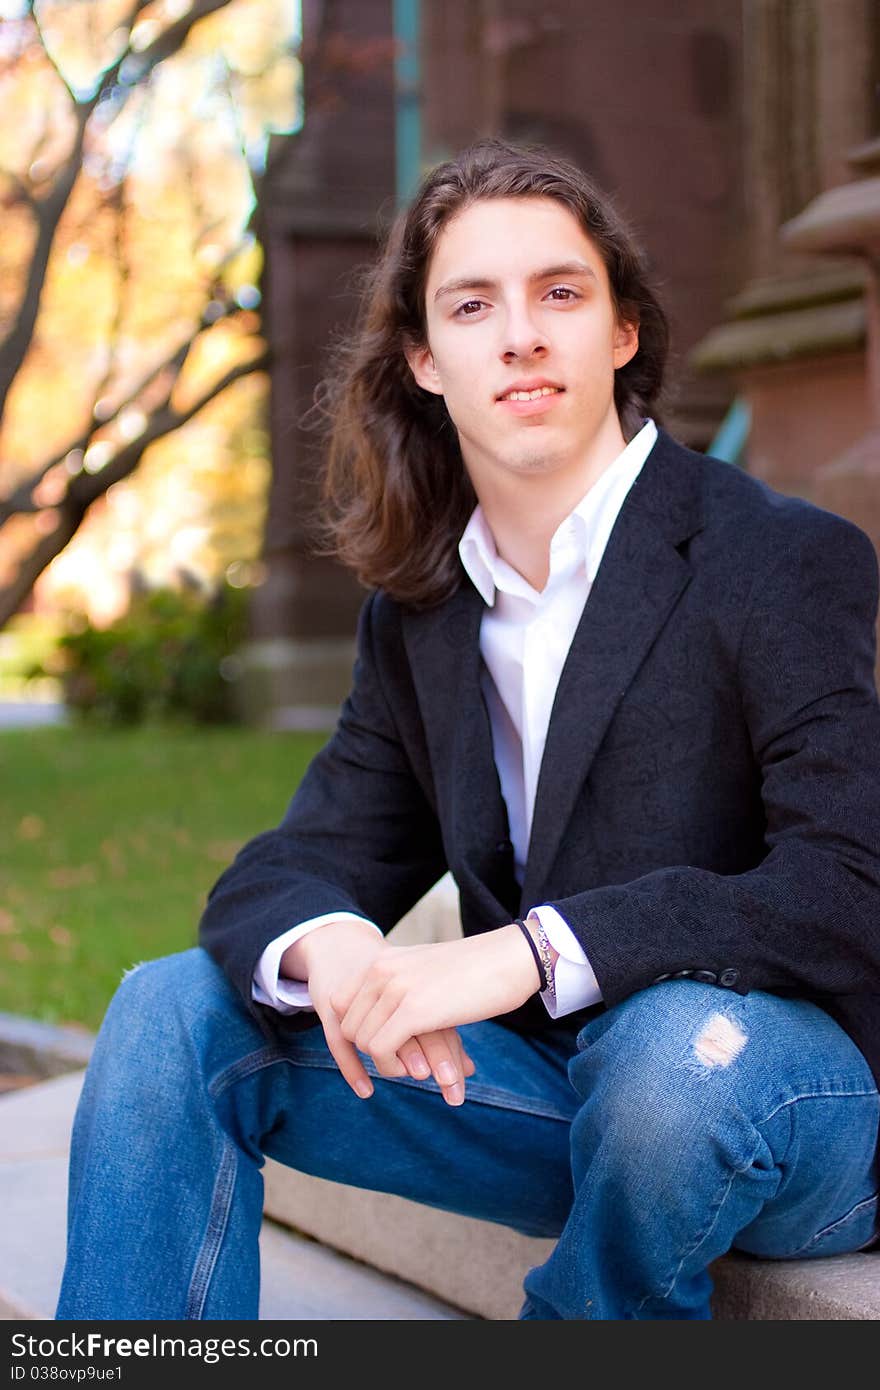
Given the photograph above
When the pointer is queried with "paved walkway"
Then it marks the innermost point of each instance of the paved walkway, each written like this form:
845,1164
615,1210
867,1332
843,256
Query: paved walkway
31,714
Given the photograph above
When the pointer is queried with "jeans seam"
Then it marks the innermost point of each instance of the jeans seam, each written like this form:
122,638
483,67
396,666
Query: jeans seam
826,1230
218,1219
245,1066
486,1095
791,1100
817,1095
703,1235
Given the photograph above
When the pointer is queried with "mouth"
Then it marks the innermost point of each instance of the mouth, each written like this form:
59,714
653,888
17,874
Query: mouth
534,393
535,400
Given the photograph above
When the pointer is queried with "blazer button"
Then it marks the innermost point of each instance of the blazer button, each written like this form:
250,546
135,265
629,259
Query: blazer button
706,977
658,979
682,974
503,847
728,978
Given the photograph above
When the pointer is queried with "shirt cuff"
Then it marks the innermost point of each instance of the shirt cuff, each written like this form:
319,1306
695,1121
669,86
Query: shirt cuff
291,996
574,977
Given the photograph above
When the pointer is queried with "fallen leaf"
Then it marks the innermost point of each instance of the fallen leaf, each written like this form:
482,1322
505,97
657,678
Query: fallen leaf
222,851
72,876
31,827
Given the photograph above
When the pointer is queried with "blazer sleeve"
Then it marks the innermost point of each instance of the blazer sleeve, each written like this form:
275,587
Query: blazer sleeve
806,920
359,836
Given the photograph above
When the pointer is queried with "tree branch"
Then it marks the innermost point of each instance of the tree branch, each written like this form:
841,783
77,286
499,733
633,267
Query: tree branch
86,488
165,45
49,210
19,502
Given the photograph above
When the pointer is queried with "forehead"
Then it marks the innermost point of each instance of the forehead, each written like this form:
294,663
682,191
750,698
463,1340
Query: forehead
510,237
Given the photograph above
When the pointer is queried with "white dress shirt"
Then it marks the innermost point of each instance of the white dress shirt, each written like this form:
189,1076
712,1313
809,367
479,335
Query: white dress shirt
525,636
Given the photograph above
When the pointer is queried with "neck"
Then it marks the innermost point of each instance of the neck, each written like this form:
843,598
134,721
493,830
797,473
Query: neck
524,511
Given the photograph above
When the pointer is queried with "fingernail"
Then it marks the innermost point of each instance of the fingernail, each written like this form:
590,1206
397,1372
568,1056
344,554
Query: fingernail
455,1094
363,1088
419,1067
446,1073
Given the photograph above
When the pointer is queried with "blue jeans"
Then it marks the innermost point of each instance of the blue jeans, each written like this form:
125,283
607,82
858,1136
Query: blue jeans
677,1124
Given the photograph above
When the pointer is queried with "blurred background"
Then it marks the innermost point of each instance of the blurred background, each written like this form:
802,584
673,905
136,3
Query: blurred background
189,189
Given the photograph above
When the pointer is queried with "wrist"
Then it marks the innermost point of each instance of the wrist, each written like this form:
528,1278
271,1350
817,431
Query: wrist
298,960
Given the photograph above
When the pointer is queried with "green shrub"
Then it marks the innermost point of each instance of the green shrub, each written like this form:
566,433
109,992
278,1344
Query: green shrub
170,657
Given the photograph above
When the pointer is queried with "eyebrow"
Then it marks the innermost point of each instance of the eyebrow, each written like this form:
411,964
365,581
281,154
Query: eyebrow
478,282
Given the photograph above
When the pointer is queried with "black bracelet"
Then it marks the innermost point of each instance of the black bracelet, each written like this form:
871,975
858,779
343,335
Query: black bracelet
534,950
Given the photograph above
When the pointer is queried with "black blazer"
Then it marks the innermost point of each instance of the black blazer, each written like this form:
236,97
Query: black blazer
709,798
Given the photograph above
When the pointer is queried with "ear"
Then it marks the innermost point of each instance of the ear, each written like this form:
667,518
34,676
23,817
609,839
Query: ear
421,364
626,343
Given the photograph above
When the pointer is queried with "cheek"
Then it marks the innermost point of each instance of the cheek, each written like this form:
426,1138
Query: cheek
463,378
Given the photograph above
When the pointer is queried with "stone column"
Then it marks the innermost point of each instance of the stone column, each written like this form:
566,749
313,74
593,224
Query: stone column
327,189
794,337
846,220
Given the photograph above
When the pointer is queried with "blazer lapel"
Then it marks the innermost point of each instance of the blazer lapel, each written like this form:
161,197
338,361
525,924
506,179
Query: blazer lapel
639,581
443,645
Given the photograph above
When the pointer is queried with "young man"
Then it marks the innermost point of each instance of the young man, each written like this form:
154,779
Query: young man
626,694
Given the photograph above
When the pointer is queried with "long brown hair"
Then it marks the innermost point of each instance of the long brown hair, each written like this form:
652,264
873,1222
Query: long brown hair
397,492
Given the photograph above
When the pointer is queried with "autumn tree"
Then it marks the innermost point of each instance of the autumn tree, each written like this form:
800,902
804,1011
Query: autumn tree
131,137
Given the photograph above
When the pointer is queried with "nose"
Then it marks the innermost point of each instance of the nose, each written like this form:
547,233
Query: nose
522,335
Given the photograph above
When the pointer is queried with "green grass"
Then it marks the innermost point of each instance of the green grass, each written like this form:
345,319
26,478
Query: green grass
109,843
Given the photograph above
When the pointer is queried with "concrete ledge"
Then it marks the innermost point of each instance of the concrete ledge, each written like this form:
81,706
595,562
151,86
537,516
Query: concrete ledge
31,1048
474,1264
480,1266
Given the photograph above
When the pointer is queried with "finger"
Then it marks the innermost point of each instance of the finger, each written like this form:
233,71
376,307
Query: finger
455,1094
415,1061
444,1055
346,1058
349,1063
341,998
385,1044
414,1057
373,1023
373,1002
465,1062
352,1008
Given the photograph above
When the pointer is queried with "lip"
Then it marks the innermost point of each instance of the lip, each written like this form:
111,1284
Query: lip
535,407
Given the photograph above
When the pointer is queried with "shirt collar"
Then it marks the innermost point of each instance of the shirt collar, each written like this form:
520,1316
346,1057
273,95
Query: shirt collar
586,527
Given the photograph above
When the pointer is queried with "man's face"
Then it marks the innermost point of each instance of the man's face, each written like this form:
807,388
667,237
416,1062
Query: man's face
518,298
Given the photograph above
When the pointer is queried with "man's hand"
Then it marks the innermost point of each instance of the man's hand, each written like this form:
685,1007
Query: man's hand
335,957
407,991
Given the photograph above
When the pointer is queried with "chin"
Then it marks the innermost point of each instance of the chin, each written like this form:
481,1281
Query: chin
537,463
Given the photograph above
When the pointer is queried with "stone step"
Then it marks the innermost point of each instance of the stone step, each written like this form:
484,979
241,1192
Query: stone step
301,1279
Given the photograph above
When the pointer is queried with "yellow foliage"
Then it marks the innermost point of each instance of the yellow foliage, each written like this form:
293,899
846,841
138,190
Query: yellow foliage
155,226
